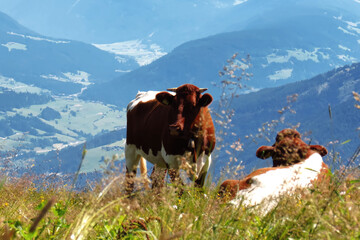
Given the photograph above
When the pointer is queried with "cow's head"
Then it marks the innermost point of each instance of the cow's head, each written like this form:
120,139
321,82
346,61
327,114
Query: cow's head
185,106
289,149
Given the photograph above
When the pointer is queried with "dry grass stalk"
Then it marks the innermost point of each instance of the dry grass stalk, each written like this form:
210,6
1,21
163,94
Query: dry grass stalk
42,214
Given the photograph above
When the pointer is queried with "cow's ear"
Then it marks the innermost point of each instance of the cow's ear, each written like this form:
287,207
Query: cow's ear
264,152
165,98
320,149
205,100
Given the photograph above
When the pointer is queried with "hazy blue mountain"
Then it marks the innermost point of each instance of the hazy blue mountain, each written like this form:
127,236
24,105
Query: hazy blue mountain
315,95
167,23
59,65
42,120
298,44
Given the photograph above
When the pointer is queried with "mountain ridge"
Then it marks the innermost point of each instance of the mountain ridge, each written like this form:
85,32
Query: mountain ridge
280,54
317,98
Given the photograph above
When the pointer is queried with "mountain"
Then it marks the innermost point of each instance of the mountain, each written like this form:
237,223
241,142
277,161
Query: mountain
324,109
163,22
167,23
43,123
66,65
302,42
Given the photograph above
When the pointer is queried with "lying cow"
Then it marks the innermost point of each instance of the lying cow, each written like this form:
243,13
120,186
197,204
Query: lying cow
170,130
295,165
289,149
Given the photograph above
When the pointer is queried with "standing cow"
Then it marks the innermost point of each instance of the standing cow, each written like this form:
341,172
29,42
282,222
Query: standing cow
170,130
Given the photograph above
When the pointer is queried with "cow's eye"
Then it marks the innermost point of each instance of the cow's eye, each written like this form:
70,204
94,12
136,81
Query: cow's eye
249,181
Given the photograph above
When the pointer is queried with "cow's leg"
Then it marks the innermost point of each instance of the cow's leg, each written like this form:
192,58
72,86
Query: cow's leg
143,171
203,165
132,161
158,177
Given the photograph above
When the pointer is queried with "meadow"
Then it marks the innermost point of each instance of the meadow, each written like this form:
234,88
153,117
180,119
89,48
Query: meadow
325,211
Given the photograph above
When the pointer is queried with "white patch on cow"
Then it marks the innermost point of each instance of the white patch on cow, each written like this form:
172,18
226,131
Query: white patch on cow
165,160
266,188
173,161
143,97
132,160
162,160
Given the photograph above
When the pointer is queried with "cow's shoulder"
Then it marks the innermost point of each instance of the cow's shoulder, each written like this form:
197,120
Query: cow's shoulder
142,97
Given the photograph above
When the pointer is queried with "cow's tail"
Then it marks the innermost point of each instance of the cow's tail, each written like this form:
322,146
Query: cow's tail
143,171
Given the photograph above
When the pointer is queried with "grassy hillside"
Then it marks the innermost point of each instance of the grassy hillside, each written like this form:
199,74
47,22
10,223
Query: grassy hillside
327,211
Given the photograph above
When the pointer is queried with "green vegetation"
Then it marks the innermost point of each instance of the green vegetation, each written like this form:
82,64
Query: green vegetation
327,211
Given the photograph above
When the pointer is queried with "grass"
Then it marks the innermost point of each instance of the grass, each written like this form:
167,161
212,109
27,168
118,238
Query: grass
327,211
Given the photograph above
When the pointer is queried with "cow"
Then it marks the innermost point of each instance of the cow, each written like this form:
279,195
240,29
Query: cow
296,165
171,130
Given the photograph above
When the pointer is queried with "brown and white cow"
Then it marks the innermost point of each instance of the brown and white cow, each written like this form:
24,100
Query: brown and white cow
169,130
295,165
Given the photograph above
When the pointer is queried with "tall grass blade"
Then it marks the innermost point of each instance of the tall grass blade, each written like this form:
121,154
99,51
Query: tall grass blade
42,214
